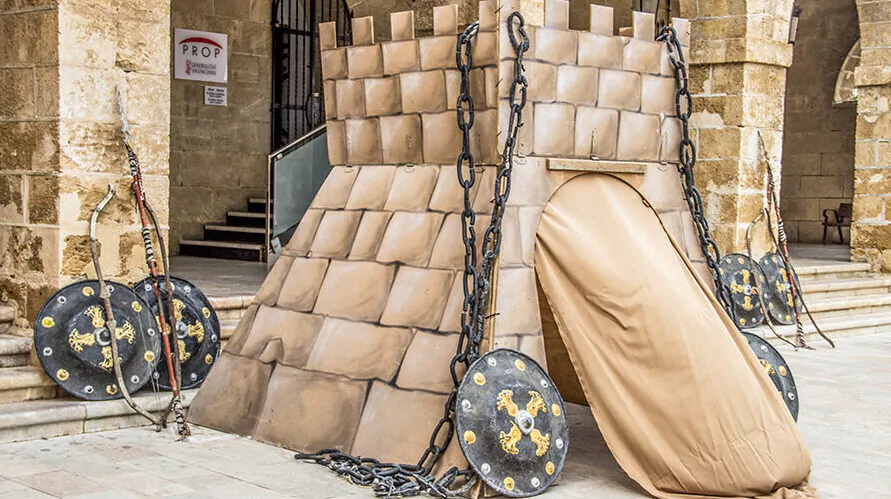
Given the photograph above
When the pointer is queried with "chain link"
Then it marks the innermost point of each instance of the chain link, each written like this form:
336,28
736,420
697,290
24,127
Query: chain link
687,156
395,480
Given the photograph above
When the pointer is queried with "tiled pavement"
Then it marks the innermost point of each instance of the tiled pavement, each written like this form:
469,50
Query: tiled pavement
845,419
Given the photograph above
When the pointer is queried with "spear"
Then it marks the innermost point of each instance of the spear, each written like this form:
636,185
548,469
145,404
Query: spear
171,359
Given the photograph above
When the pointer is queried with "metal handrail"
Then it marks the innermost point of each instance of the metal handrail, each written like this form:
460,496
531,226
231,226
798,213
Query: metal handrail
276,155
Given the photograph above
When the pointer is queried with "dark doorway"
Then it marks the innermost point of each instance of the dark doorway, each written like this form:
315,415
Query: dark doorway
297,103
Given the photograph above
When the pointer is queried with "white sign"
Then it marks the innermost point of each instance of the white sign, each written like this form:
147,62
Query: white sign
200,55
215,96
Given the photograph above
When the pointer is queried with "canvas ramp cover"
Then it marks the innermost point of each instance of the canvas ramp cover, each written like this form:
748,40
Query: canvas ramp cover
682,402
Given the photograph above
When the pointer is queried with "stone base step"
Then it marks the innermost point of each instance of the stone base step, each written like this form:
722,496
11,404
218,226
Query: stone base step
227,327
69,416
14,350
18,384
7,316
230,307
832,271
849,306
846,287
220,249
836,327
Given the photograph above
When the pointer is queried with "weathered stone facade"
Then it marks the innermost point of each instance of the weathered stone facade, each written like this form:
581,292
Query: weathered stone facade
29,154
818,139
871,232
738,60
218,155
60,141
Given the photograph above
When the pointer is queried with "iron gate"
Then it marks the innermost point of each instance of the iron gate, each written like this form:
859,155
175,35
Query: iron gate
297,104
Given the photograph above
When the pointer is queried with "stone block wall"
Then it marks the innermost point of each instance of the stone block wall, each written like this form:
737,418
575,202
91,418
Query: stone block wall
871,232
738,59
103,45
818,139
358,319
60,139
218,155
29,154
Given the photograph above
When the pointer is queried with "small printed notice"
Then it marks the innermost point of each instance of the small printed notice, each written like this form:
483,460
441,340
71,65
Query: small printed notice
200,55
215,96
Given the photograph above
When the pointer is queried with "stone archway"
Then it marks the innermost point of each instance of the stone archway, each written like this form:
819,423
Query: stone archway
818,139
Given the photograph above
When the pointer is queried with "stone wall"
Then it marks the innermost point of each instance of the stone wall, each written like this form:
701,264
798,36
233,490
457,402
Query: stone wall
818,140
29,154
61,143
103,45
218,155
871,232
738,57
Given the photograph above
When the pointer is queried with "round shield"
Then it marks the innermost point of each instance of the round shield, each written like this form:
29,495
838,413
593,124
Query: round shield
74,344
777,370
511,423
745,279
195,328
778,294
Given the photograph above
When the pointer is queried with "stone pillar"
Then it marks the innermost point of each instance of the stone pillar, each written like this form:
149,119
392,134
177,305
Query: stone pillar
60,139
871,231
738,59
29,154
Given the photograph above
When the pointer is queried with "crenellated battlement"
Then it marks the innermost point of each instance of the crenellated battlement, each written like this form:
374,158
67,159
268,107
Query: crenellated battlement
593,94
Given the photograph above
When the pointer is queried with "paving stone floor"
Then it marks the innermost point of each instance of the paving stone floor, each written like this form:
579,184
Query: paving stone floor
217,277
845,419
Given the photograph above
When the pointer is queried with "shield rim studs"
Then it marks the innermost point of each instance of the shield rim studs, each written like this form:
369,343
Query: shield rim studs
730,265
520,377
200,305
59,316
787,388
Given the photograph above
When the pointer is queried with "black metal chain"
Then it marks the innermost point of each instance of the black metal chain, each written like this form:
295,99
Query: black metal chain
687,152
394,480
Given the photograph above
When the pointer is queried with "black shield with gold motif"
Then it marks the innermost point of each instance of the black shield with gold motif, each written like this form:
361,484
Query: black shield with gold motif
74,345
778,295
777,370
745,279
195,328
511,423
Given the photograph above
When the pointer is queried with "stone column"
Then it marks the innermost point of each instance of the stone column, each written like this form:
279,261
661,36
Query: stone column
738,59
60,140
29,154
871,231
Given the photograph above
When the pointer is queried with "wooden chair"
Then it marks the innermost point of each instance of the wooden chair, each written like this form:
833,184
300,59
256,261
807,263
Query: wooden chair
843,216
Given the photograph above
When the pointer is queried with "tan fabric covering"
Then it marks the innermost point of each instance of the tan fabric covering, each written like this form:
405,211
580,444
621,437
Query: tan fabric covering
682,402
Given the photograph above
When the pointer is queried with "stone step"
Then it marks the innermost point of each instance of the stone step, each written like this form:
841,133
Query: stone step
246,219
846,287
836,327
19,384
14,350
7,314
257,205
824,308
221,249
69,416
232,233
230,307
227,327
832,271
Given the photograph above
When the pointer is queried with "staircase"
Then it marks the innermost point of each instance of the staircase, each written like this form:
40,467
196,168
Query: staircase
241,237
20,381
844,298
32,405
